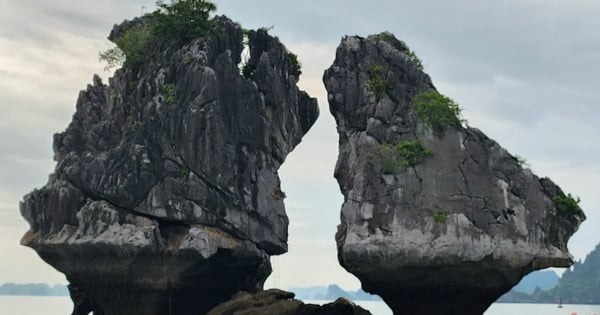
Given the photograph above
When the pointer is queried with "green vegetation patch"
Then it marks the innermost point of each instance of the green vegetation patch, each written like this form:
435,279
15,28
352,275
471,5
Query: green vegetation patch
170,93
522,161
184,172
188,59
377,82
437,111
113,58
183,20
407,153
296,68
175,23
131,48
392,40
413,152
567,203
415,59
440,217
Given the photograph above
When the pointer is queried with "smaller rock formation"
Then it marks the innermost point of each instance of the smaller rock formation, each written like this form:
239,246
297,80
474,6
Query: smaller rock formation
277,302
437,218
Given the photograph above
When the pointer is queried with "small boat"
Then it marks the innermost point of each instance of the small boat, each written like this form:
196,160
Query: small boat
560,302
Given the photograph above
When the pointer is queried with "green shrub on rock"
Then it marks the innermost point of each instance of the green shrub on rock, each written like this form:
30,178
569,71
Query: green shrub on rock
183,20
169,91
522,161
396,43
407,153
389,38
413,152
415,59
131,50
377,82
440,217
175,23
296,69
567,204
436,111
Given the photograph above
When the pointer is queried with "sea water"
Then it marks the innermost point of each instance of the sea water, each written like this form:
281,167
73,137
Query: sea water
380,308
36,305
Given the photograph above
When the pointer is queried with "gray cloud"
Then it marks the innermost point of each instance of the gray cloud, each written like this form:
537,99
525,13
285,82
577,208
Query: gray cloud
546,45
44,21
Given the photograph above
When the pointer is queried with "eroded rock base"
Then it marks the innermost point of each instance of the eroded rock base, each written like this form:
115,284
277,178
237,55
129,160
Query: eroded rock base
111,300
447,301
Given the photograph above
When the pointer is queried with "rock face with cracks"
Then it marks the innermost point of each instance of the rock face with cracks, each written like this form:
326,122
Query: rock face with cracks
451,231
165,198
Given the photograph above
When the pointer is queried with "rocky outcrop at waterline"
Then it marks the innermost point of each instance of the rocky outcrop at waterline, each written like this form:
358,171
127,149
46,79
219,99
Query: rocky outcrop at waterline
437,217
277,302
165,198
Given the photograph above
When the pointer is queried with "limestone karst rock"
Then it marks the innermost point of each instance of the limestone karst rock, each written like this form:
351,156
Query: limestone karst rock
166,198
437,217
277,302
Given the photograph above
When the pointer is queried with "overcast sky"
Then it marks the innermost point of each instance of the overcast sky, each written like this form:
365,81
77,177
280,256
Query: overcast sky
526,72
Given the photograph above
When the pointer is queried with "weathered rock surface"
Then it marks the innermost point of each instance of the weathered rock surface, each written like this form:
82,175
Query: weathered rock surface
166,198
277,302
449,235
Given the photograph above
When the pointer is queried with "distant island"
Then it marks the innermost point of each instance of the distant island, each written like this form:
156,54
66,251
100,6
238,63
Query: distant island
580,284
535,282
34,289
331,293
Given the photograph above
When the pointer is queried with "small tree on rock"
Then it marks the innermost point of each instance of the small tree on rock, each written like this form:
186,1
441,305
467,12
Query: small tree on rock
175,23
183,20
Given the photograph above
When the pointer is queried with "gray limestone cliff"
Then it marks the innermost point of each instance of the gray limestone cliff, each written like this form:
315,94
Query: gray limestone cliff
437,217
166,198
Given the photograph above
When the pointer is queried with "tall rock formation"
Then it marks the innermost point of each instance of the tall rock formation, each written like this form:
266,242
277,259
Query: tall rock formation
166,198
437,217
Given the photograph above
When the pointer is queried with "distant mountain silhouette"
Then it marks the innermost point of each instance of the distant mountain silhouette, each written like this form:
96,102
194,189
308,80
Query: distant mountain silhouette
310,293
580,284
543,279
36,289
331,293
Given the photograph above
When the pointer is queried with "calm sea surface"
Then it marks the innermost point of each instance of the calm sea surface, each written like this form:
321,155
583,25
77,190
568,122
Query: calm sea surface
33,305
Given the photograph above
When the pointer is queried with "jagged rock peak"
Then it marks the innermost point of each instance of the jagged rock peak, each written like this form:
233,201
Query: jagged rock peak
166,198
437,217
279,302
